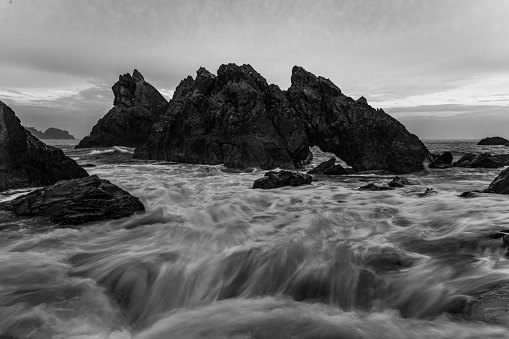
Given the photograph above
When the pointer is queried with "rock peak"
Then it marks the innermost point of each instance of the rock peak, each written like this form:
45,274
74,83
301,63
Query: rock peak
137,76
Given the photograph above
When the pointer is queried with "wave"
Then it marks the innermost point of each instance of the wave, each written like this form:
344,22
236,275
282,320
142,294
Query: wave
114,149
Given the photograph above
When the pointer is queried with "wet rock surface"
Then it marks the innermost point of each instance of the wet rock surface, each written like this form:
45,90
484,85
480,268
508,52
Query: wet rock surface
328,167
442,159
25,161
402,182
236,118
493,141
137,105
472,160
276,179
374,187
501,183
74,202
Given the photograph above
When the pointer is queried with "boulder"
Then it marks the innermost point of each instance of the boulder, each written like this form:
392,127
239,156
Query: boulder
493,141
25,161
276,179
402,181
236,118
501,183
471,194
328,168
74,202
472,160
137,105
443,159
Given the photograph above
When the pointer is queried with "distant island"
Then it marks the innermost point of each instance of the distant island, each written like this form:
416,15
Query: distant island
493,141
50,133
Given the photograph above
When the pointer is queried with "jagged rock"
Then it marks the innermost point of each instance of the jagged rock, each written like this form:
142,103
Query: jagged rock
472,160
50,133
236,118
402,181
276,179
493,141
328,168
26,161
501,183
443,159
74,202
137,105
374,187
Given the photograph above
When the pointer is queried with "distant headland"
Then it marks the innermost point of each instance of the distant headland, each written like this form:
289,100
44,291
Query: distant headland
50,133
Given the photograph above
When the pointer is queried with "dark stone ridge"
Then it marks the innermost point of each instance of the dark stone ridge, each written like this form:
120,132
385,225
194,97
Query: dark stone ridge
374,187
471,194
74,202
137,105
402,181
501,183
25,161
50,133
236,118
276,179
328,168
472,160
443,159
493,141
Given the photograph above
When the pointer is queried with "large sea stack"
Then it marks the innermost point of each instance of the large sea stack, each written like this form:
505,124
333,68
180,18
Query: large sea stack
25,161
236,118
137,105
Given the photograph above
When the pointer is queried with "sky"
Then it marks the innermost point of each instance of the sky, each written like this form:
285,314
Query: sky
441,67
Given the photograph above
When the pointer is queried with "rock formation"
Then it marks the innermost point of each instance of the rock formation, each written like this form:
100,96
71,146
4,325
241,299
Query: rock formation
137,105
50,133
493,141
472,160
236,118
443,159
74,202
25,161
276,179
328,168
402,182
501,183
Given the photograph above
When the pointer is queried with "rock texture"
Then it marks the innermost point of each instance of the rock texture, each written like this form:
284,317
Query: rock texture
328,168
25,161
501,183
472,160
276,179
236,118
443,159
402,182
137,105
493,141
50,133
74,202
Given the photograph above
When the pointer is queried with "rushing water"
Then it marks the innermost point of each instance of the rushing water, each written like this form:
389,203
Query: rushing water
213,258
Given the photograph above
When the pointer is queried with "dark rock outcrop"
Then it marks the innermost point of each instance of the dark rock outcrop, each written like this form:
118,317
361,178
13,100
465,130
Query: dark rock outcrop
501,183
328,168
427,192
236,118
137,105
374,187
471,194
74,202
25,161
472,160
493,141
402,181
50,133
276,179
443,159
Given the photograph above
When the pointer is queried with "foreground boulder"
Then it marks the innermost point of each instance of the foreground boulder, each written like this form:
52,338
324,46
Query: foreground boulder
26,161
137,105
328,168
501,183
493,141
276,179
236,118
74,202
472,160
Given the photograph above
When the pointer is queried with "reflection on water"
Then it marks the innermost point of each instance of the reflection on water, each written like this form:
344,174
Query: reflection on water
213,258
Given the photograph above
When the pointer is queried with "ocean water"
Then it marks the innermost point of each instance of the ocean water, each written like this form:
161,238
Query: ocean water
213,258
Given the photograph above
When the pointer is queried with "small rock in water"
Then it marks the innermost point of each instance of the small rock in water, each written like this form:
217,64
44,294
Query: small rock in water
429,191
374,187
74,202
443,160
328,168
402,181
472,160
276,179
471,194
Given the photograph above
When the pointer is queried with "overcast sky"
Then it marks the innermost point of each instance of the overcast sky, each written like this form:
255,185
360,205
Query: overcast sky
439,66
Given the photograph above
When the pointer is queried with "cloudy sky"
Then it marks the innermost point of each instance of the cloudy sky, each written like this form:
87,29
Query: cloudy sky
439,66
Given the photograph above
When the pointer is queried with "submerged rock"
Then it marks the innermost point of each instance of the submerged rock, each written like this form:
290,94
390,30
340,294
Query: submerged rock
328,168
472,160
74,202
276,179
236,118
493,141
137,105
374,187
427,192
501,183
471,194
26,161
402,181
